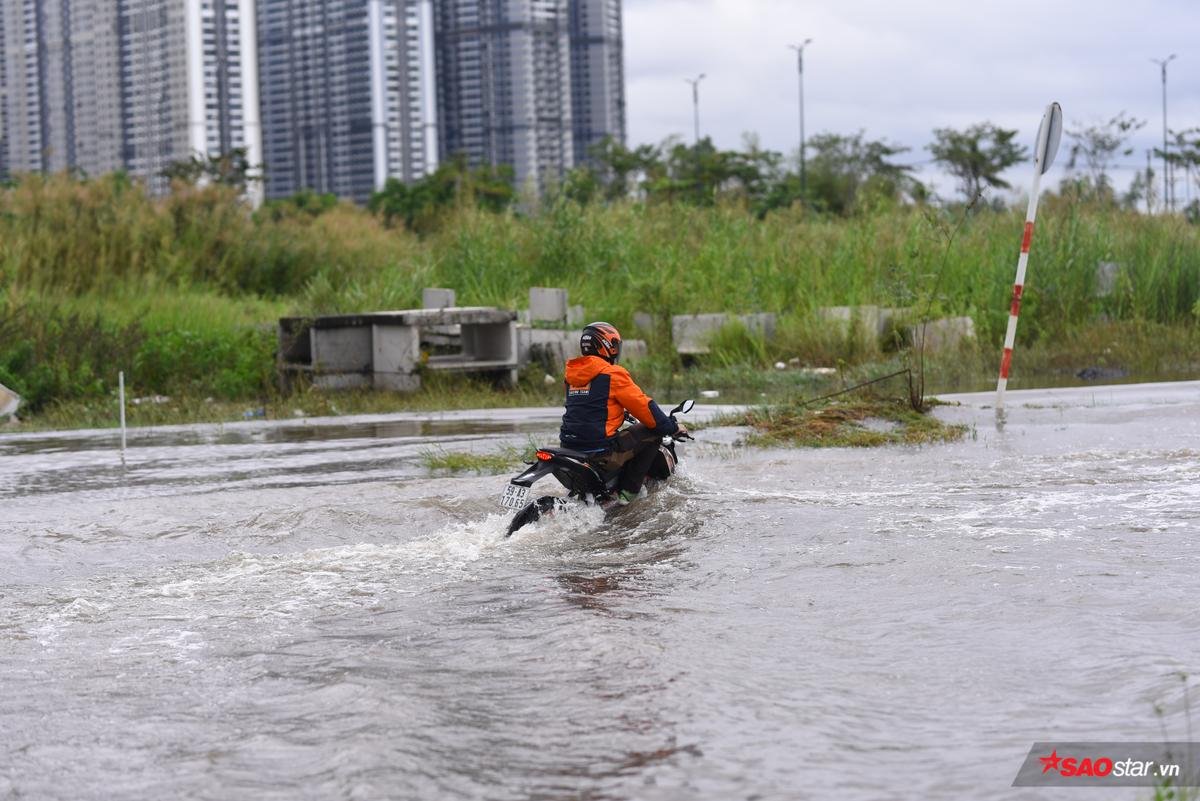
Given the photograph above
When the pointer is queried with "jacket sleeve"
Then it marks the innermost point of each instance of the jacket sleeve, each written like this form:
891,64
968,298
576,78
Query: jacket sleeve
637,403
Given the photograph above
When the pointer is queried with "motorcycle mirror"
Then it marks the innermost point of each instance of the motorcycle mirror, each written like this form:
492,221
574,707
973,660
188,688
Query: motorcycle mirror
684,407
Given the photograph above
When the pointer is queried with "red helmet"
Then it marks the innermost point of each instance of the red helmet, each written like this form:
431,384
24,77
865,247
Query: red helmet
603,340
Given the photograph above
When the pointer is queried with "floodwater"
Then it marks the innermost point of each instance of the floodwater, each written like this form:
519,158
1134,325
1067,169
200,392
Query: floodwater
301,612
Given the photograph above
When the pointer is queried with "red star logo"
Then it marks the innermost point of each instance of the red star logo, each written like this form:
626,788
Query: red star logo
1050,763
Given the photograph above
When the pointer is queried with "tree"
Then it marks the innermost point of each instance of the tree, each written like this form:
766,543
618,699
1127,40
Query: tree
228,169
1142,189
1185,154
1097,146
421,204
847,170
619,170
977,156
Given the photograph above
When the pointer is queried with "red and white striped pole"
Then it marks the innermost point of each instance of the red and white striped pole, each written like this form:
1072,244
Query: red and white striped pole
1049,134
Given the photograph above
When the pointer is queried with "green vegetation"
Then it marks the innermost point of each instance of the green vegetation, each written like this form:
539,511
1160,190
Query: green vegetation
507,458
182,293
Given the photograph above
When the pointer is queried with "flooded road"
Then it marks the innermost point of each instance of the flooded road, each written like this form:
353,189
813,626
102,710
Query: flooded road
302,611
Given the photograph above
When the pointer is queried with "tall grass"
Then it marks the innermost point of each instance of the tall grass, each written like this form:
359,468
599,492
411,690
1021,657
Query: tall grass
198,273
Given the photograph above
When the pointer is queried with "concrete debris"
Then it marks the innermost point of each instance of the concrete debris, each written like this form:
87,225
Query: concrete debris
9,401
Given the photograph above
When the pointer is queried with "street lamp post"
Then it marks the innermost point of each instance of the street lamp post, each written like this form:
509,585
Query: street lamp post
695,82
800,71
1167,199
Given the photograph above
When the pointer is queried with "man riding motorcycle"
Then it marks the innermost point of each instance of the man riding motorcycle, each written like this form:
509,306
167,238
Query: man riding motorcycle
598,394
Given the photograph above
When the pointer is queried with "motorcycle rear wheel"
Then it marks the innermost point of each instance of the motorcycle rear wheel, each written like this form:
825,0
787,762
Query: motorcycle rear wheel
534,511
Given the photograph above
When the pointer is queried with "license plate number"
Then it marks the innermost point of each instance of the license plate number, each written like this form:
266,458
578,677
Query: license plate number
514,496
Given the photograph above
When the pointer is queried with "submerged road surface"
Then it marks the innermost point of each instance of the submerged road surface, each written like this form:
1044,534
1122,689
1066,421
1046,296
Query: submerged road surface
301,612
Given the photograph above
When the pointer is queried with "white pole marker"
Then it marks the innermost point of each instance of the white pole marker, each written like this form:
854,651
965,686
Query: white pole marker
1049,135
121,383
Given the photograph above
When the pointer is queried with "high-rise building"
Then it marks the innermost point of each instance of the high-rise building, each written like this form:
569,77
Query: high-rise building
597,74
347,98
98,85
504,85
348,91
3,102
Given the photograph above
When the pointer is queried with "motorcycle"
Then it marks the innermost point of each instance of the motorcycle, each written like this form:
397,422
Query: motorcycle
585,482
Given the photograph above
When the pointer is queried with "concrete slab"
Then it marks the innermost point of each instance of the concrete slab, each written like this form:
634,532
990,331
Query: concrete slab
437,298
548,347
341,350
1106,278
448,316
633,350
337,381
396,352
691,332
9,401
382,349
865,320
761,323
643,321
547,304
943,334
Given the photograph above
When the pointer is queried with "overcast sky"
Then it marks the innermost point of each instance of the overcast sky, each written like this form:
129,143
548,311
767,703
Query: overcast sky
899,68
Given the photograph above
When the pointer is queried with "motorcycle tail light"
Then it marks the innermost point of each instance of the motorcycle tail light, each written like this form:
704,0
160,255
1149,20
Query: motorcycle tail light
545,457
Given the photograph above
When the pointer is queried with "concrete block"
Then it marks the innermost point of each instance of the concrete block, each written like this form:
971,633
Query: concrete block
436,298
633,350
550,355
396,351
9,401
691,332
891,318
341,350
439,336
575,316
342,380
490,342
944,334
547,346
396,382
383,349
1106,278
547,304
761,323
865,320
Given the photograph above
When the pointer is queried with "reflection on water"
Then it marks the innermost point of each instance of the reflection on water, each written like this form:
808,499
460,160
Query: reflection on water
327,430
305,613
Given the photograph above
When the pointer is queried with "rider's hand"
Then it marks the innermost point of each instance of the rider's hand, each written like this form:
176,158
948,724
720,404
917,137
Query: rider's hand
682,432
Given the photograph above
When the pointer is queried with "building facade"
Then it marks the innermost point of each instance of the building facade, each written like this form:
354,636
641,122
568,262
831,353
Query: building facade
504,85
348,91
597,74
4,171
346,103
100,85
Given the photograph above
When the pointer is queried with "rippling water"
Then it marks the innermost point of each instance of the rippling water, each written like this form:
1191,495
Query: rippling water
301,612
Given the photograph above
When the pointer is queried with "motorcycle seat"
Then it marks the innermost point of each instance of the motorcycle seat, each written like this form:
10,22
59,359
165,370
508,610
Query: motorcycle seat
570,454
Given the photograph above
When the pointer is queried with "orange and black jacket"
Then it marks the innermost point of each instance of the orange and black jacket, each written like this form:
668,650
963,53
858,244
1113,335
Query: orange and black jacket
598,394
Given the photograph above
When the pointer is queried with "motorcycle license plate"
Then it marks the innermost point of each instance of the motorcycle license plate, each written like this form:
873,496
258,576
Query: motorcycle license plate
514,496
